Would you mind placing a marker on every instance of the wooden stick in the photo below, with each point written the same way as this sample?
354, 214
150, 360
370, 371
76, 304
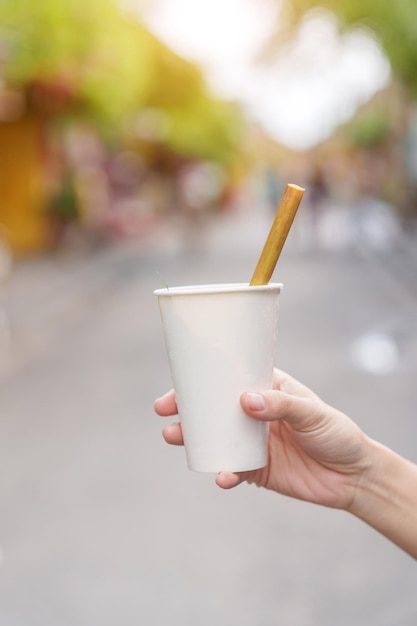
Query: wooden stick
277, 235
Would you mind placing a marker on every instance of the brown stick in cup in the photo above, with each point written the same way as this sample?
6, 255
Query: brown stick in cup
277, 235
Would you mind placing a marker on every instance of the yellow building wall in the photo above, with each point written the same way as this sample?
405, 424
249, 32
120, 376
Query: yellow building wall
22, 218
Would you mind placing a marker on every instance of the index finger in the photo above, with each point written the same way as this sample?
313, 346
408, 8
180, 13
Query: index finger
166, 405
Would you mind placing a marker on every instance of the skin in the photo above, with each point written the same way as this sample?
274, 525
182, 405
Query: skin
318, 454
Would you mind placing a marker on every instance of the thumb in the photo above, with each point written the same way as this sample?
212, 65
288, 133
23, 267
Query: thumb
300, 412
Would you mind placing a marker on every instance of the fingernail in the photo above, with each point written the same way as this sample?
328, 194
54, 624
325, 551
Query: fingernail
256, 401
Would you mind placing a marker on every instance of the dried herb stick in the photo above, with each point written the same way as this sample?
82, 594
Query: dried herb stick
277, 235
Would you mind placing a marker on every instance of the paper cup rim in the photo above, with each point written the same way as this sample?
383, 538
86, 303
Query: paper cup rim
191, 290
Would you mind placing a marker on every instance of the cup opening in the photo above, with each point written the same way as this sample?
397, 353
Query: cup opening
216, 288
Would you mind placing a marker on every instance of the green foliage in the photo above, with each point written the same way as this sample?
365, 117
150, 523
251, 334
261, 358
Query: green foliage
394, 23
113, 68
87, 47
368, 129
203, 128
199, 125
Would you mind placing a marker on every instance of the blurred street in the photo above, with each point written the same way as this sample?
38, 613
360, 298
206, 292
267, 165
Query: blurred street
101, 523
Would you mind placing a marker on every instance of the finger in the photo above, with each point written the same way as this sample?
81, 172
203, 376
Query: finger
229, 480
284, 382
300, 413
173, 435
166, 405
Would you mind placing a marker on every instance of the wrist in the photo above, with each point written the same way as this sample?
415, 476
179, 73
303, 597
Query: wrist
373, 488
385, 496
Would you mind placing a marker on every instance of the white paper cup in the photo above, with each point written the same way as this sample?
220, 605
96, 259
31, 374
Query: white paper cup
220, 341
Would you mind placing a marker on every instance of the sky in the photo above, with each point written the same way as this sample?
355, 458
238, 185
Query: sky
301, 97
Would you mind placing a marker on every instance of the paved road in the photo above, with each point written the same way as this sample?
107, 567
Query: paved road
102, 524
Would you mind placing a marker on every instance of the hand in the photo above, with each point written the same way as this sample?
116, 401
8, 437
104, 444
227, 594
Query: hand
316, 453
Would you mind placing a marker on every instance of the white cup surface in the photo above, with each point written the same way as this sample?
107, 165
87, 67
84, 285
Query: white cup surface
220, 341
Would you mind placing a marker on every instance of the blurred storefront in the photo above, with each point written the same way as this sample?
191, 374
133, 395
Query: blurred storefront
22, 183
97, 120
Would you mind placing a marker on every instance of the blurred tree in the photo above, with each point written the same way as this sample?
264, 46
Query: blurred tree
91, 60
393, 23
186, 117
95, 58
374, 132
369, 129
75, 51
